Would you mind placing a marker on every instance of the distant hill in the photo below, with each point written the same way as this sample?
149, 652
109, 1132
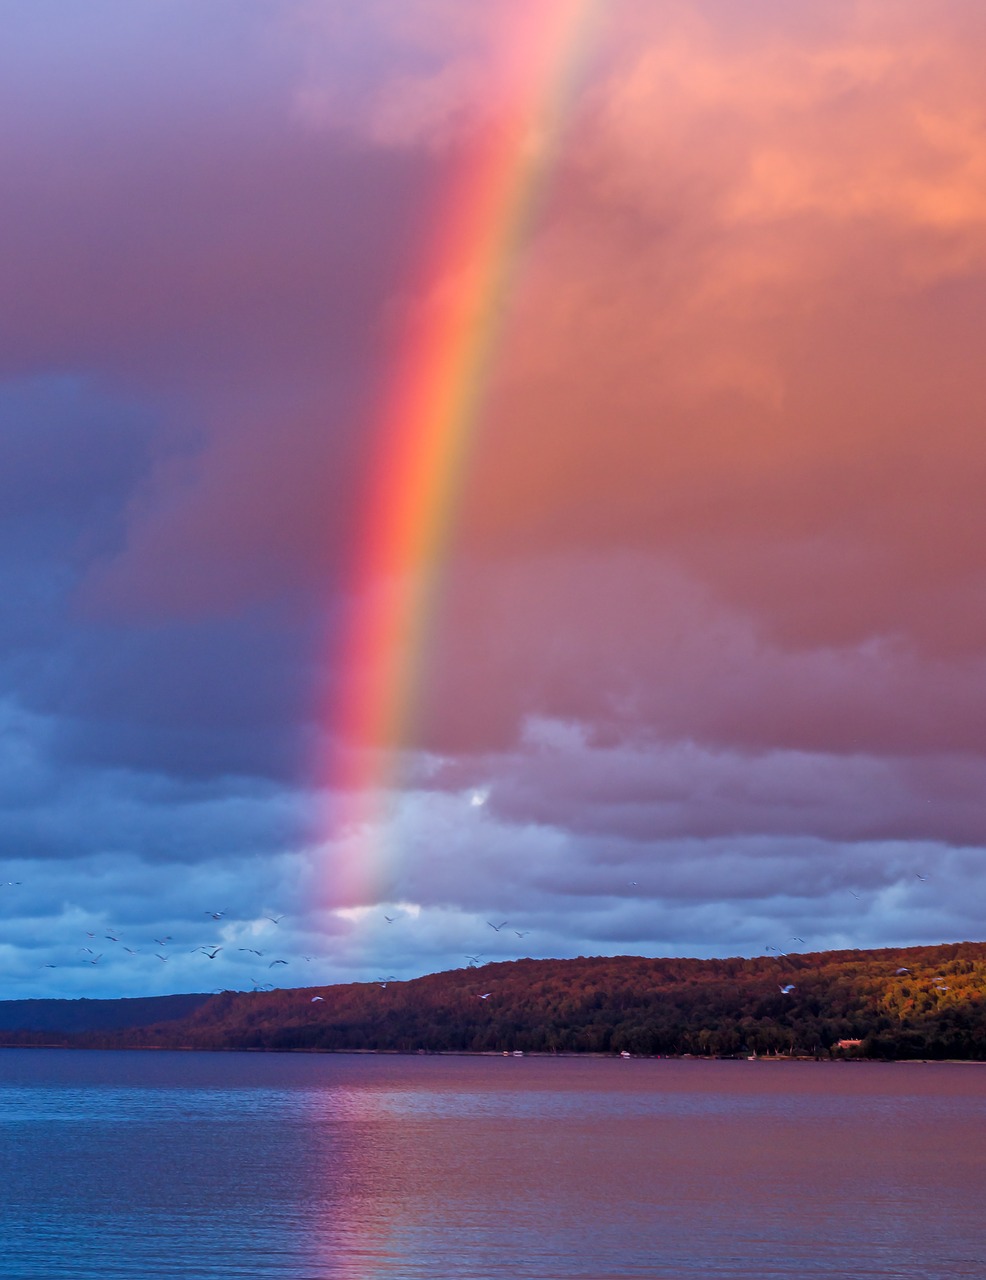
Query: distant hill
94, 1015
913, 1002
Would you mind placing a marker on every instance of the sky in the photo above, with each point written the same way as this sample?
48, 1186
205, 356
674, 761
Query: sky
680, 625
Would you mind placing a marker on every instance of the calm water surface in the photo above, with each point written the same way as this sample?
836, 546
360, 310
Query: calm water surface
186, 1166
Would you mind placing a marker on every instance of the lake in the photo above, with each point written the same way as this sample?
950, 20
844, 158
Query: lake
195, 1166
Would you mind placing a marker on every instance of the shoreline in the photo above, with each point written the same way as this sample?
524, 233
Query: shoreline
568, 1055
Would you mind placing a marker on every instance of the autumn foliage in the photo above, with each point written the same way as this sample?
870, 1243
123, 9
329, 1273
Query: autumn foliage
925, 1002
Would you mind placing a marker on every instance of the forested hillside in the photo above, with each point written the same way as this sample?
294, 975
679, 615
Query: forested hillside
923, 1002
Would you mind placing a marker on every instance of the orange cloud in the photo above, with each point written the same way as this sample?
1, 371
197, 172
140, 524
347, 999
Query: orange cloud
747, 335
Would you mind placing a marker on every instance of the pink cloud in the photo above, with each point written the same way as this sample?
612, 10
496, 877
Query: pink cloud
725, 486
747, 337
630, 646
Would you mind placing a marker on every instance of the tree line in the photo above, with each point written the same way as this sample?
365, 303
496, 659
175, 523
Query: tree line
915, 1002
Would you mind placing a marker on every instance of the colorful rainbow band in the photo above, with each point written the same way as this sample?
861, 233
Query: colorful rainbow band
427, 428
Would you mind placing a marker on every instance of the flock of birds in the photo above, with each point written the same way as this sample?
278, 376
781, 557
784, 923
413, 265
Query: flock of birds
164, 950
209, 950
787, 988
212, 951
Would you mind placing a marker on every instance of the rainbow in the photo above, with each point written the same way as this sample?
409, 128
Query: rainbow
427, 427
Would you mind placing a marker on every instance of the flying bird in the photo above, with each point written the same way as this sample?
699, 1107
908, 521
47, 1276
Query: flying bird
900, 971
390, 919
211, 954
216, 915
497, 927
787, 988
274, 919
486, 995
274, 962
522, 935
314, 998
920, 876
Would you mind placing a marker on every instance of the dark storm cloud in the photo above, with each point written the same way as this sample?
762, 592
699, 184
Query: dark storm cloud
71, 456
207, 696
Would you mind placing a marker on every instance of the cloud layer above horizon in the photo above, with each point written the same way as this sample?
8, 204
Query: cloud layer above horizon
706, 669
